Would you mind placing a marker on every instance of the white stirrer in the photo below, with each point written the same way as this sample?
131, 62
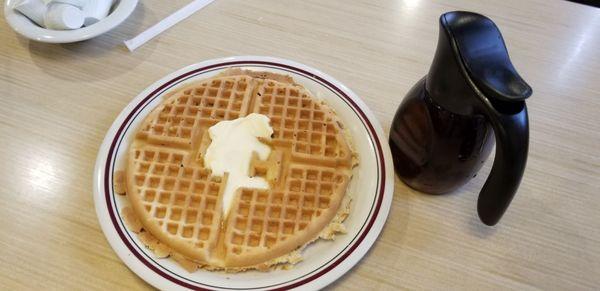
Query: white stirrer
166, 23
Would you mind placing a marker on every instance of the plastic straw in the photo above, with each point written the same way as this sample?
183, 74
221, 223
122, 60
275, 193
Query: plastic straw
166, 23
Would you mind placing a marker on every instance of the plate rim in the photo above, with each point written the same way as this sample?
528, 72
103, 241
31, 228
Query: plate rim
322, 278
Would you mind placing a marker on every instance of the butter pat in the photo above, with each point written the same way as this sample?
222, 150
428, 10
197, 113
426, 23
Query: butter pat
230, 151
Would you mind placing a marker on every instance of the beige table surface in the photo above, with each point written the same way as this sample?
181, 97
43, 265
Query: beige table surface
58, 101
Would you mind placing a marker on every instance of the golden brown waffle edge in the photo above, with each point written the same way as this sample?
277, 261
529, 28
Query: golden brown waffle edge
166, 158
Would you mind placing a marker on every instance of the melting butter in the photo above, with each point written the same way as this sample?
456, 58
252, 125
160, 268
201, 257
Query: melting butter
230, 151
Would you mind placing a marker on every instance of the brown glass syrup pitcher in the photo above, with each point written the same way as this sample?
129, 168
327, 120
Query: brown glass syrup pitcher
446, 125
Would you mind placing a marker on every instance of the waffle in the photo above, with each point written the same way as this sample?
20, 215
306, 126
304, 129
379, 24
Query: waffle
178, 201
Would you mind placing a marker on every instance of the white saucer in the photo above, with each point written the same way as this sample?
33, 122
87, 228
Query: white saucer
27, 28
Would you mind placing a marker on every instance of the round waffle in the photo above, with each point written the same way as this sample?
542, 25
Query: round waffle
178, 201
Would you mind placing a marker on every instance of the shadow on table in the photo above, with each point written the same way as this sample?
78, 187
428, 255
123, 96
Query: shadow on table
479, 229
100, 58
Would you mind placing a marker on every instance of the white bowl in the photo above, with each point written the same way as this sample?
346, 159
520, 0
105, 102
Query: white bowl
27, 28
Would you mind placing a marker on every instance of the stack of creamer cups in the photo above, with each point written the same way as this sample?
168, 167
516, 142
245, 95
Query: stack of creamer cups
64, 14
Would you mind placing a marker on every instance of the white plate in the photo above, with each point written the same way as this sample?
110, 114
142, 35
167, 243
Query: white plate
325, 261
25, 27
